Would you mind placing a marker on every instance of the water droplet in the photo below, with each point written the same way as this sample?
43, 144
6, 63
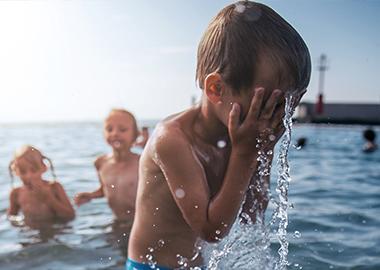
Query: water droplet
109, 258
272, 137
150, 249
297, 147
161, 243
196, 206
112, 186
239, 8
124, 234
297, 234
270, 152
180, 193
181, 260
157, 208
149, 257
217, 232
221, 143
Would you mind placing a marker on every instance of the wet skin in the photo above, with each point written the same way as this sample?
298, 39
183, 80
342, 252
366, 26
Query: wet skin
39, 200
118, 172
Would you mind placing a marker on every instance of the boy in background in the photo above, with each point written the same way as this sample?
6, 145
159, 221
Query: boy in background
117, 171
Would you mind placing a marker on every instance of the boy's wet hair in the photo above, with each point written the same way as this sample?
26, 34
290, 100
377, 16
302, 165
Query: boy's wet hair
243, 33
33, 156
135, 128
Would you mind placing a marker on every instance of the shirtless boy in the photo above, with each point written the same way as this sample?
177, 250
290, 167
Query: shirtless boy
198, 165
118, 171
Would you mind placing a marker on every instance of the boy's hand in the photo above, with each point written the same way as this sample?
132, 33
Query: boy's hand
82, 198
261, 126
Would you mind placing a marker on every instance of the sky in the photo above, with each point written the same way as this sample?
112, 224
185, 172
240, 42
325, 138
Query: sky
75, 60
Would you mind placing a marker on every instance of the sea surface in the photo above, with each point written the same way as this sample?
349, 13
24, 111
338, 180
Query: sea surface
335, 192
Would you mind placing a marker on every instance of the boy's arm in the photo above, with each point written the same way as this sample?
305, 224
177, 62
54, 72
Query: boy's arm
14, 207
84, 197
212, 218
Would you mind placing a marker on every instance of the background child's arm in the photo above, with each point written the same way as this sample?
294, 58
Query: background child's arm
61, 203
14, 207
84, 197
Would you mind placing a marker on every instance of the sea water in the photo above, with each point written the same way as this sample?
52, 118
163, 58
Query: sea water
333, 205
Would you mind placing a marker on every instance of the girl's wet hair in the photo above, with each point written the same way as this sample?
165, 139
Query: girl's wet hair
135, 128
244, 33
33, 156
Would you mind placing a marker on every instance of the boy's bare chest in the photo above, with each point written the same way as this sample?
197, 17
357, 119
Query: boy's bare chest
214, 162
118, 175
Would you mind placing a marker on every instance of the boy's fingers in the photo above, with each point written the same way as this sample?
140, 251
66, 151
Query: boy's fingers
233, 121
278, 116
256, 103
270, 105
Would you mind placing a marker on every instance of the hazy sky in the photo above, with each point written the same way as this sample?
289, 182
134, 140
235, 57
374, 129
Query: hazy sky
74, 60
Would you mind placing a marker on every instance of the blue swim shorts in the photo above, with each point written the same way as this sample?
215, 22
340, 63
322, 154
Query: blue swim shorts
133, 265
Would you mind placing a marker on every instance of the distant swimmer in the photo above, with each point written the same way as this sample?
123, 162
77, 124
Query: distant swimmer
301, 143
370, 136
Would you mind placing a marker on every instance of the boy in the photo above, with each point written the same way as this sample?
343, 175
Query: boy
118, 171
198, 165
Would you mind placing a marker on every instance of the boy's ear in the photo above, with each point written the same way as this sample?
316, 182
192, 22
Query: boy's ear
213, 87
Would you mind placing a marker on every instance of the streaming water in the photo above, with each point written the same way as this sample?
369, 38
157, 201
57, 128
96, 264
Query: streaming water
248, 244
281, 212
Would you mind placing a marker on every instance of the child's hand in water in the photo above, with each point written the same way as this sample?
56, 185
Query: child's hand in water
82, 198
262, 126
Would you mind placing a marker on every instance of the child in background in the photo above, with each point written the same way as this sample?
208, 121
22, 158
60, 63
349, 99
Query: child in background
38, 199
370, 137
118, 171
199, 164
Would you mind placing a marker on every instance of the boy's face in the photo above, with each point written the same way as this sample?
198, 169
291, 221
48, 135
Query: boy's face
268, 79
119, 130
28, 173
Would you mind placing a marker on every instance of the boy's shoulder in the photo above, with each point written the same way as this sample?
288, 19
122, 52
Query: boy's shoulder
173, 132
100, 160
15, 192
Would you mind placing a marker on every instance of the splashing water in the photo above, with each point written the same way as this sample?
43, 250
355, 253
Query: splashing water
281, 212
248, 245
